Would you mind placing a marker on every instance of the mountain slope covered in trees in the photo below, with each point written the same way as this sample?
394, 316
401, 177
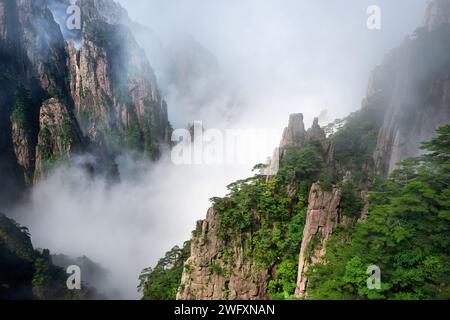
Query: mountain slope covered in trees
337, 205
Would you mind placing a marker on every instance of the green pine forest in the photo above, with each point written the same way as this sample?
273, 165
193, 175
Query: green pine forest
405, 234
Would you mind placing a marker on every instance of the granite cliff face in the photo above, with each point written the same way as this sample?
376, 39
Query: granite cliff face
219, 269
296, 136
33, 69
225, 269
89, 90
59, 136
407, 100
321, 219
113, 85
325, 213
213, 273
416, 78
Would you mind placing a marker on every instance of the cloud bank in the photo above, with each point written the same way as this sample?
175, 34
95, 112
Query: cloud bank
249, 64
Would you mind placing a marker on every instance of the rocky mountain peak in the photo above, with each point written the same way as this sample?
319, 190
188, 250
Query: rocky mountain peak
316, 132
294, 133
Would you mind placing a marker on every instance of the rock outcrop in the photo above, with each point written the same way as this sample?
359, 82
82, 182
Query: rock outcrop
32, 69
408, 97
322, 218
114, 86
100, 77
218, 269
296, 136
59, 136
417, 78
213, 272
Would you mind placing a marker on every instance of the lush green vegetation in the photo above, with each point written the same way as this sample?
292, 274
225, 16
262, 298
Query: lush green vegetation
273, 212
268, 214
48, 135
162, 282
100, 32
351, 203
22, 113
132, 137
26, 273
355, 142
151, 128
406, 235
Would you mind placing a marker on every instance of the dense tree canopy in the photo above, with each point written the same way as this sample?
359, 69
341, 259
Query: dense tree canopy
406, 235
162, 282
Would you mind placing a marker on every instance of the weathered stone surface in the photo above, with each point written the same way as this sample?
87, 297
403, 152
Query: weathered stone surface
33, 67
316, 133
240, 278
321, 219
114, 86
416, 78
24, 150
212, 273
59, 136
105, 80
294, 134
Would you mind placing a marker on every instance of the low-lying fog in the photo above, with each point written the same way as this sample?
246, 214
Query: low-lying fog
271, 58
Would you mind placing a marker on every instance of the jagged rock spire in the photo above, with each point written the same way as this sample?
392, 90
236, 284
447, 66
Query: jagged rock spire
294, 134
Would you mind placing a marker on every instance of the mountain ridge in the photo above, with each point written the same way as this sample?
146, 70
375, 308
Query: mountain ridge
247, 248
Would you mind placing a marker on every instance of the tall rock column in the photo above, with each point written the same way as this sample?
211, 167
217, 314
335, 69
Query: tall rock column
321, 219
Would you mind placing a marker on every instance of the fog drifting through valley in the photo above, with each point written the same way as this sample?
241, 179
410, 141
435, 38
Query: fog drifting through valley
273, 58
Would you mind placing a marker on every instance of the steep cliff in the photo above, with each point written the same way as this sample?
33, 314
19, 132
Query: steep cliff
32, 69
331, 202
407, 100
214, 273
64, 91
321, 219
417, 76
251, 236
339, 205
113, 85
59, 136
